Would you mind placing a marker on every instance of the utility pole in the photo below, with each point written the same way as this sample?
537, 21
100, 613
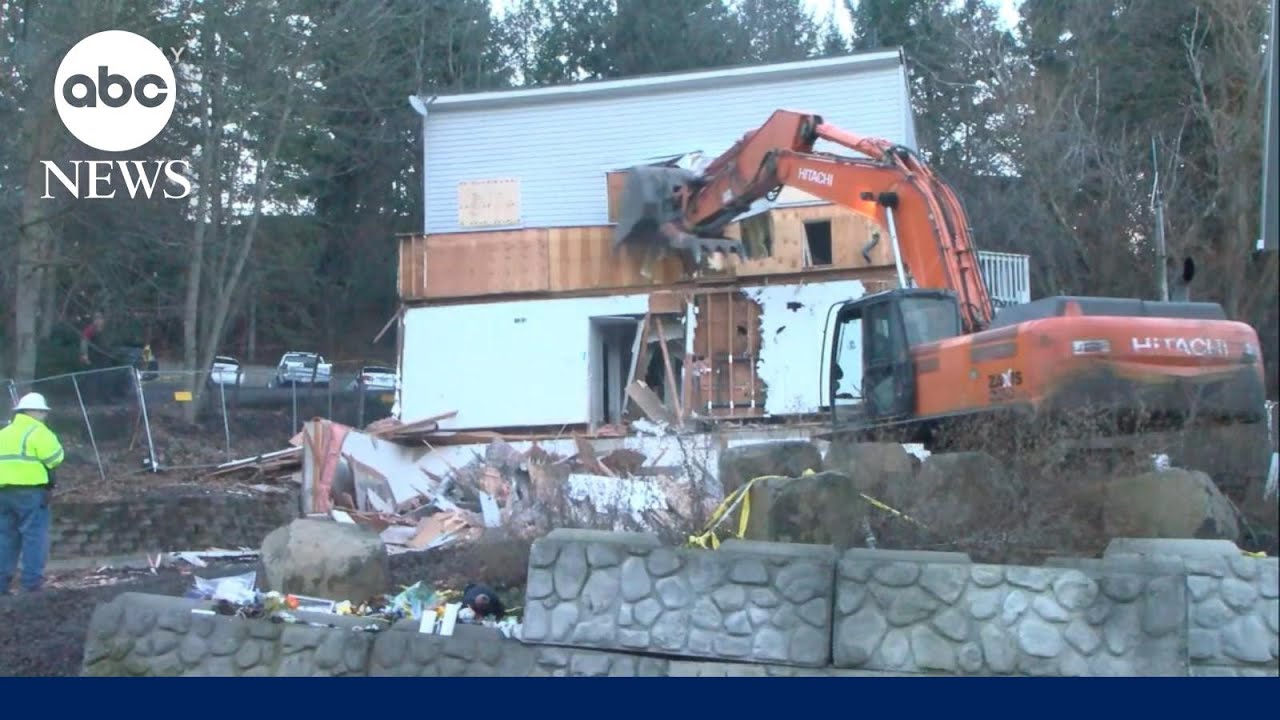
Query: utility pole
1157, 206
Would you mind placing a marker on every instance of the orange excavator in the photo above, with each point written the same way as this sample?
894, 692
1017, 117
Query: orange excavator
909, 362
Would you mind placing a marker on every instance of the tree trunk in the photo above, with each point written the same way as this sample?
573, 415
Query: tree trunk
209, 185
251, 346
48, 301
228, 285
35, 236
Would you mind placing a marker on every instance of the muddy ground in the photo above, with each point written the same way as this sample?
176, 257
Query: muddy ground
43, 634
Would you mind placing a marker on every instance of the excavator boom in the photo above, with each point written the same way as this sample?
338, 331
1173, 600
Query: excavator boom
891, 185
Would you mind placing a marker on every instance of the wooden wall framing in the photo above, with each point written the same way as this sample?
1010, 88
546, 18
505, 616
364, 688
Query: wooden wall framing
722, 380
577, 259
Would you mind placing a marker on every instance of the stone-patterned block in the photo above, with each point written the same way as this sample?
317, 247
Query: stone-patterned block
747, 601
576, 662
155, 635
472, 651
1235, 615
905, 612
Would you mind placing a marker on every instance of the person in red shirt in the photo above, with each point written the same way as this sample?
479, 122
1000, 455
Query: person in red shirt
91, 356
88, 335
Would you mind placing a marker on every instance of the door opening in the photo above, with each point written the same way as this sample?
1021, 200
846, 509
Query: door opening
613, 341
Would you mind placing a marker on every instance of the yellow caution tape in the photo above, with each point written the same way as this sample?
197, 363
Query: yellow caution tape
876, 503
709, 540
1259, 554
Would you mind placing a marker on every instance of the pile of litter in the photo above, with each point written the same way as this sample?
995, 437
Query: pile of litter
437, 611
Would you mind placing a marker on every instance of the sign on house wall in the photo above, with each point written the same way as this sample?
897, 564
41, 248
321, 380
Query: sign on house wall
489, 203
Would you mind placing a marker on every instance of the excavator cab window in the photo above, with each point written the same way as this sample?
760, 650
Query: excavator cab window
887, 387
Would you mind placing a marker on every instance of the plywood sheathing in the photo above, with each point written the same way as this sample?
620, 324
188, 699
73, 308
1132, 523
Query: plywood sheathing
565, 261
851, 232
584, 258
413, 266
489, 203
614, 183
668, 302
485, 264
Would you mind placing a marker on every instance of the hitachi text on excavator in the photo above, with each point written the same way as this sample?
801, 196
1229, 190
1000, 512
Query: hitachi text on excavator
910, 362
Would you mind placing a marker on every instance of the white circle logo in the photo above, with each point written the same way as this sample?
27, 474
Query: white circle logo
115, 91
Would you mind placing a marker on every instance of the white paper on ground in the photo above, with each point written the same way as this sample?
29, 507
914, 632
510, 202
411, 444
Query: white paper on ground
450, 618
489, 506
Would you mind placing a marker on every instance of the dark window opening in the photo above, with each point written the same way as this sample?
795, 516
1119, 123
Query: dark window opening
756, 236
817, 243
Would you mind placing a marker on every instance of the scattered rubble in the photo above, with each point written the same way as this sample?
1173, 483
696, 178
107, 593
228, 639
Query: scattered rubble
421, 498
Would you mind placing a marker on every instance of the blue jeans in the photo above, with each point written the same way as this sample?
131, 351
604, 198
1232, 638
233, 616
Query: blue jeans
24, 529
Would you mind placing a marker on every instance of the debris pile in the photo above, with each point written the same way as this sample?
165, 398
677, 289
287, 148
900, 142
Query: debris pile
267, 467
436, 610
530, 492
417, 499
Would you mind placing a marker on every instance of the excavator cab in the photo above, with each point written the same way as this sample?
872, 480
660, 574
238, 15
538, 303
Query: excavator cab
872, 376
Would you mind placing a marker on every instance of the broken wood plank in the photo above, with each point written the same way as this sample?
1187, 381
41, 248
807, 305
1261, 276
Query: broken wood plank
432, 528
398, 535
425, 425
673, 391
587, 456
650, 403
639, 353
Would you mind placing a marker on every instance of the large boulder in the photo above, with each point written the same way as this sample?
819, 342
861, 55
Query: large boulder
321, 558
875, 468
959, 494
788, 458
1172, 503
822, 509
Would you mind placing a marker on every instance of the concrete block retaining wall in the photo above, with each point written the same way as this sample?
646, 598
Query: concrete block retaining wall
754, 602
606, 604
167, 522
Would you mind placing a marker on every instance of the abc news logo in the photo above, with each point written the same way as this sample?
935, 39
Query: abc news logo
115, 91
101, 90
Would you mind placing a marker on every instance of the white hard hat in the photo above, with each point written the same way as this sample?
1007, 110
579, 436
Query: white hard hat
32, 401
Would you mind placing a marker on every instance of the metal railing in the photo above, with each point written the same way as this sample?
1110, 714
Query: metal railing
1008, 277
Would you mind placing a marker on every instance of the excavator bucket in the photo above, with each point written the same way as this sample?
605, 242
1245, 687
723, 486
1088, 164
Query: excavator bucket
651, 218
649, 201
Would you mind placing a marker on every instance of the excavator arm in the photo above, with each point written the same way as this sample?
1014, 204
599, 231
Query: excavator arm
891, 185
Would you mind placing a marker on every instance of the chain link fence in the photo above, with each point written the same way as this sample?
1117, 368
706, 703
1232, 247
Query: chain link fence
121, 421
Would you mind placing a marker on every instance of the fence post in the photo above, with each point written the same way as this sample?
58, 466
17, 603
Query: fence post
293, 390
360, 388
75, 382
146, 421
226, 426
13, 393
329, 388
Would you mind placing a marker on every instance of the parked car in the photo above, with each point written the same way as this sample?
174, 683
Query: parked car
302, 368
374, 377
226, 371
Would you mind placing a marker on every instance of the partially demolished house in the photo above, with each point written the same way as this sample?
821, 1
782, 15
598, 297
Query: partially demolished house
519, 312
533, 347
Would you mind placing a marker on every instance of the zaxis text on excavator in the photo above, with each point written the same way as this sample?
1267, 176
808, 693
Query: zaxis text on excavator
908, 362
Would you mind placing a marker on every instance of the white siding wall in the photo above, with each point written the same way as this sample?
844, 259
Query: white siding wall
529, 363
506, 363
561, 150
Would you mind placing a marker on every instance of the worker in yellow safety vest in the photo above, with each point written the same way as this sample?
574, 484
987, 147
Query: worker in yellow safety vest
29, 451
